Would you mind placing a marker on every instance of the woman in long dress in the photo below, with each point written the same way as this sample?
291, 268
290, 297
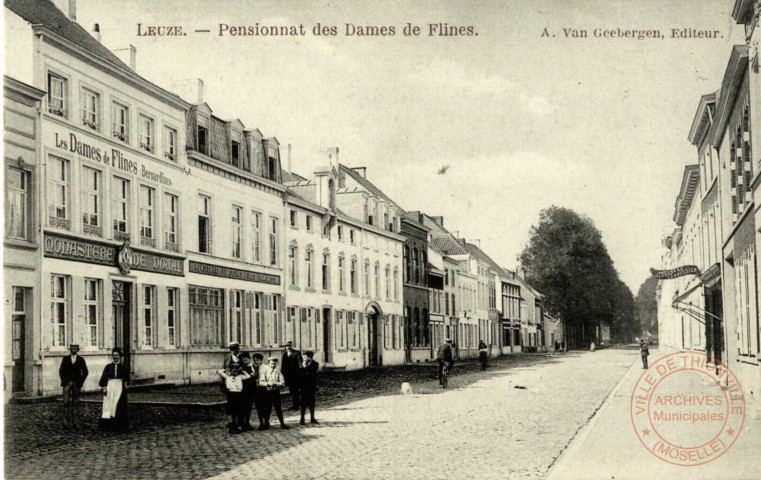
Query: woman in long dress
114, 382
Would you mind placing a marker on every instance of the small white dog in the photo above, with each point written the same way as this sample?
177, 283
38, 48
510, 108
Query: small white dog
406, 388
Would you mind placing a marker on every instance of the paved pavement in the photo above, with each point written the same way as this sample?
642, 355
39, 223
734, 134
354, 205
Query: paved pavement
482, 426
608, 448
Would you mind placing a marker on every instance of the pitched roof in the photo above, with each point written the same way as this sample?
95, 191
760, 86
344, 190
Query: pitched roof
45, 13
368, 185
447, 245
481, 255
291, 176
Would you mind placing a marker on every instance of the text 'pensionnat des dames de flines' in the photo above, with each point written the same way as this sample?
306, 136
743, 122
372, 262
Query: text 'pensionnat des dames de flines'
317, 30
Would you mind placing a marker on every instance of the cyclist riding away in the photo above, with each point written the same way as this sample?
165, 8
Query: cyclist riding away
445, 355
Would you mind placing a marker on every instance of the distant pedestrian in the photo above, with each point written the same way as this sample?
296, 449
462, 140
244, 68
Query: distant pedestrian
73, 373
483, 354
114, 382
249, 390
644, 351
273, 380
234, 378
290, 367
309, 386
260, 392
445, 355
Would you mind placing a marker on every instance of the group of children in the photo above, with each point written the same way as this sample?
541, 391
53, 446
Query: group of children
250, 384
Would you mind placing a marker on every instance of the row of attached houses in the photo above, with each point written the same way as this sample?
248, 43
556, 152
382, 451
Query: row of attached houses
138, 218
717, 222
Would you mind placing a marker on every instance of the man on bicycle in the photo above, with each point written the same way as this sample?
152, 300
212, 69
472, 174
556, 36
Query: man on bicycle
445, 355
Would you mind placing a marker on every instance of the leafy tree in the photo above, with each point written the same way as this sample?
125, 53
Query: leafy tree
566, 260
647, 306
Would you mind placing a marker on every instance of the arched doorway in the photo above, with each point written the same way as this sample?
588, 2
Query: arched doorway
374, 316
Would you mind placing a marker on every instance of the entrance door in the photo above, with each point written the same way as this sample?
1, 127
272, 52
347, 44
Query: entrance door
372, 332
17, 338
326, 346
121, 295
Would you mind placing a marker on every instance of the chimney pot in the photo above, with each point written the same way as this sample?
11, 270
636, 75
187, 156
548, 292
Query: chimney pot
96, 32
200, 91
73, 10
289, 159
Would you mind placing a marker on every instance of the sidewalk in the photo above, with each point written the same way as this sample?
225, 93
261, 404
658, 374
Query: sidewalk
608, 448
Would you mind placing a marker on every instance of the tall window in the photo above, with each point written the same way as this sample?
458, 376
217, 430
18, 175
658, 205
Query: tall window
309, 261
256, 236
204, 224
273, 240
341, 273
415, 273
340, 232
59, 293
293, 218
57, 95
149, 311
292, 260
92, 297
147, 215
170, 143
120, 118
236, 316
17, 203
388, 281
91, 201
407, 265
146, 133
203, 143
309, 223
377, 281
206, 316
237, 238
172, 303
257, 328
59, 190
171, 224
326, 271
352, 237
353, 276
120, 208
367, 278
90, 109
396, 284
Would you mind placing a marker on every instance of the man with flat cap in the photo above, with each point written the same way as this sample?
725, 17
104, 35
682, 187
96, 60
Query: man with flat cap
233, 356
73, 373
290, 367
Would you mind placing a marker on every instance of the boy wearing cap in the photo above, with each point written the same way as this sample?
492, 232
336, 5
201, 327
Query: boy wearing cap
272, 380
73, 373
260, 392
308, 386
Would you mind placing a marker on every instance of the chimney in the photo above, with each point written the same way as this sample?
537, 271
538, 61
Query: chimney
361, 170
521, 272
73, 10
191, 89
127, 55
476, 242
96, 32
289, 159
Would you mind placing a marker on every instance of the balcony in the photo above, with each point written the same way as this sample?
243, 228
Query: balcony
171, 247
92, 230
55, 110
59, 222
148, 242
88, 123
121, 236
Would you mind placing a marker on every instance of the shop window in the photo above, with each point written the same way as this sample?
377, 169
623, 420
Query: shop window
206, 316
17, 207
149, 313
172, 315
59, 306
236, 316
92, 310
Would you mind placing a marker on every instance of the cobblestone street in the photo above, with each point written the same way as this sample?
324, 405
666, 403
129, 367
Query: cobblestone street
482, 426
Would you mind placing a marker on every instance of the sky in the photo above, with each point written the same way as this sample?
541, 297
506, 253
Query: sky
522, 121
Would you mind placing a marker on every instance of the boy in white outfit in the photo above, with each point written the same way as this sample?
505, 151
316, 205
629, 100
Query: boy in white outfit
234, 377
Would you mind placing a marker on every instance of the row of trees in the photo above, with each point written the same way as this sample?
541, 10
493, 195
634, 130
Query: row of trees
567, 261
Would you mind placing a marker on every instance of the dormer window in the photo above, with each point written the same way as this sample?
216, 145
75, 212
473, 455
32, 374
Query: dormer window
202, 140
235, 154
271, 168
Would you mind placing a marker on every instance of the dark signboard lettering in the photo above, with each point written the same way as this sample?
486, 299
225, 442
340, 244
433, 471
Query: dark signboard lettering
69, 248
227, 272
675, 272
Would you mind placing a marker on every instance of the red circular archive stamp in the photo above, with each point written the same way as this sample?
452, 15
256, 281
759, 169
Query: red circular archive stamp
686, 409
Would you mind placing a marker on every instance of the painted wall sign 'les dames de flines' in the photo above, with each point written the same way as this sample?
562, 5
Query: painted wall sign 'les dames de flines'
675, 272
235, 273
124, 257
115, 159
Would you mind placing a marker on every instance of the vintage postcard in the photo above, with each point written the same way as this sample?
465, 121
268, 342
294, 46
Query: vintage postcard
381, 239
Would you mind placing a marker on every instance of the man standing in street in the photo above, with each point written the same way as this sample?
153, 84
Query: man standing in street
644, 350
445, 355
309, 386
233, 357
73, 373
290, 367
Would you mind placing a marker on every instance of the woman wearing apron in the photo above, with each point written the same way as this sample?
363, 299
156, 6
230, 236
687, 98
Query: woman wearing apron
114, 381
